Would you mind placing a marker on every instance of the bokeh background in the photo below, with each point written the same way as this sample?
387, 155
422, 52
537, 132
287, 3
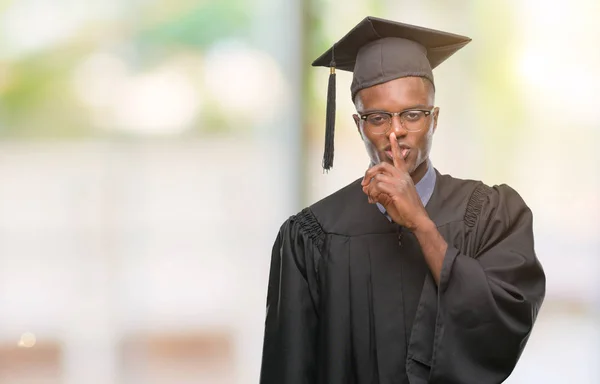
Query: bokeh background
150, 150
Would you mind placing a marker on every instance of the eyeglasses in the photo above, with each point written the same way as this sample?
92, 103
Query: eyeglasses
380, 122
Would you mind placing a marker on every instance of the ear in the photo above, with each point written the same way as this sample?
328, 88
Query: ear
356, 121
436, 114
358, 105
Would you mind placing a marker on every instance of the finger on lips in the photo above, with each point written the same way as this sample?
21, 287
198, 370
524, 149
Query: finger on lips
395, 149
399, 162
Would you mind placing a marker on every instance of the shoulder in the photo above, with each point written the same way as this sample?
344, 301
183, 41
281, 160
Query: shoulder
339, 207
343, 212
467, 199
302, 236
450, 188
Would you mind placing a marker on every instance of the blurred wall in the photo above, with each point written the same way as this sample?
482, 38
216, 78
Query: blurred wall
149, 151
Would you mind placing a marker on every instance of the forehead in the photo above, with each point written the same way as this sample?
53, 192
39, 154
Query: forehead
396, 94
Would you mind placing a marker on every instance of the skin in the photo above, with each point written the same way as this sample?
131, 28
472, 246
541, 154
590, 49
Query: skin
399, 161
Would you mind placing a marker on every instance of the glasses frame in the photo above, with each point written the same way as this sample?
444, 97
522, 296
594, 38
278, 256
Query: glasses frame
364, 117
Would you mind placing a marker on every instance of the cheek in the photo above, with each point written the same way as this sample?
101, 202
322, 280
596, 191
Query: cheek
366, 138
375, 141
424, 144
371, 146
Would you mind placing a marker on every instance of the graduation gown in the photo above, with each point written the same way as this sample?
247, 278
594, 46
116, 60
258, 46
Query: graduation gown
351, 300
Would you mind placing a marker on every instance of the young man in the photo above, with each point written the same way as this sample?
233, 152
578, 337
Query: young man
405, 275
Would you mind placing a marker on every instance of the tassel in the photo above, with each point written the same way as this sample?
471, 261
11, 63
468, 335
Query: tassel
330, 120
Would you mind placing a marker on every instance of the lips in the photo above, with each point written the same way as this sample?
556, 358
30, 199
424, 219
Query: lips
404, 151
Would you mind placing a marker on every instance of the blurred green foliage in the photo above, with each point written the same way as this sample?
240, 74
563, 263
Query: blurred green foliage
196, 26
37, 100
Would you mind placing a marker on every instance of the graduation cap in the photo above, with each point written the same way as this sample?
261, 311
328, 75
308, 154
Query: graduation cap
378, 50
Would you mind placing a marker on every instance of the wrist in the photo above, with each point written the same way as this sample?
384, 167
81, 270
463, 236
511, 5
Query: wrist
424, 227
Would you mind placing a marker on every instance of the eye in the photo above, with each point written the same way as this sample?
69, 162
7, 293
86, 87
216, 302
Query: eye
377, 118
413, 115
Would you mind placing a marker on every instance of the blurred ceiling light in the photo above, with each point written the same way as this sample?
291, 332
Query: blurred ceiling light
164, 101
550, 74
550, 81
99, 78
30, 25
161, 102
244, 81
27, 340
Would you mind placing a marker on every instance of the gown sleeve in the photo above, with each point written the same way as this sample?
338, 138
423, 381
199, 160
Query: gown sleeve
488, 300
289, 347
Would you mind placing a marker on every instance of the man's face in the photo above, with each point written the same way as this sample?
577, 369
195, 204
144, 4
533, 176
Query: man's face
395, 96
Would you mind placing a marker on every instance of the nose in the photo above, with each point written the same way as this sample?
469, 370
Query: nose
397, 127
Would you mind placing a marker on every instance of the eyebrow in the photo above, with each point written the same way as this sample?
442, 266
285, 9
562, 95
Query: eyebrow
417, 106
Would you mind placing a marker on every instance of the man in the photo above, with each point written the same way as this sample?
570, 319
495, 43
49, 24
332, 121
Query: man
405, 275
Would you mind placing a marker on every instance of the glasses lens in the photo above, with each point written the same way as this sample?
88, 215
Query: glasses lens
378, 122
413, 120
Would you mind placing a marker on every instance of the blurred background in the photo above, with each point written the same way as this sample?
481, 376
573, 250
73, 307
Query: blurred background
150, 150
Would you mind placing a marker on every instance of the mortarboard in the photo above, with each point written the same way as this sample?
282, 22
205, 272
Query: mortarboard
378, 50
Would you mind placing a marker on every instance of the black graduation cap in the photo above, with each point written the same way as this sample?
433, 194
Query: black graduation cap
378, 50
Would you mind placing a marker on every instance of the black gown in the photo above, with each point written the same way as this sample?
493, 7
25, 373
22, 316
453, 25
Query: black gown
351, 300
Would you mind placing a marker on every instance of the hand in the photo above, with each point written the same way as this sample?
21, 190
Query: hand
393, 187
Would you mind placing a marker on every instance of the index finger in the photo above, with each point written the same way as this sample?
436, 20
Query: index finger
397, 153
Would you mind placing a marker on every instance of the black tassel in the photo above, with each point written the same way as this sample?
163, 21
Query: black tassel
330, 121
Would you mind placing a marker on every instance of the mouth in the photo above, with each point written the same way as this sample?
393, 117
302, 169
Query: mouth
404, 152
